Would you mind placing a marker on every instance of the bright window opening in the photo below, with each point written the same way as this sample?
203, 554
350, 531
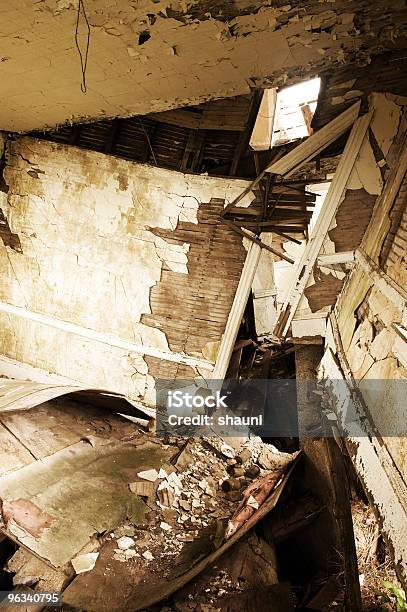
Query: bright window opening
285, 115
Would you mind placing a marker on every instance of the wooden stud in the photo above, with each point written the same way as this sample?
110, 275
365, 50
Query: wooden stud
245, 137
325, 218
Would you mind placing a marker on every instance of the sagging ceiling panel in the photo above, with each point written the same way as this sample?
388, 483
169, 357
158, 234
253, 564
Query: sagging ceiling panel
147, 57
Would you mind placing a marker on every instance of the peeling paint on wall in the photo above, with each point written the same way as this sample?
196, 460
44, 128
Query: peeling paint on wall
386, 121
379, 461
90, 259
356, 208
369, 309
366, 173
153, 56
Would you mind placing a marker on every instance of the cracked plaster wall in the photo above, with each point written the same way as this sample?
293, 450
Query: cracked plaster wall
90, 259
367, 312
365, 184
371, 318
369, 309
148, 56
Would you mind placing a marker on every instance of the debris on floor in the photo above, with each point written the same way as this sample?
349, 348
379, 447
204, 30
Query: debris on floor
116, 496
374, 560
84, 563
181, 524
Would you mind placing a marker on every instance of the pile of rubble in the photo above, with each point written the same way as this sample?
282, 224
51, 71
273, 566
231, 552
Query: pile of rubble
187, 506
205, 484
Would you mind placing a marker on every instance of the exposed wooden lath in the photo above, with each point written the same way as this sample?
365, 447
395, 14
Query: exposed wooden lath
279, 209
228, 114
394, 252
196, 139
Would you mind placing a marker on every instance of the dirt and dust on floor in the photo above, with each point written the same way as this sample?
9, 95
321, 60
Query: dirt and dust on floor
95, 506
379, 585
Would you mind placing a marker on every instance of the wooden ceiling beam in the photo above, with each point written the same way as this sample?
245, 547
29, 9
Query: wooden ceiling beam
245, 137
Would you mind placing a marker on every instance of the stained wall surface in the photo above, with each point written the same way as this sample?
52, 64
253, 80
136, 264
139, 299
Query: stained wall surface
121, 273
356, 207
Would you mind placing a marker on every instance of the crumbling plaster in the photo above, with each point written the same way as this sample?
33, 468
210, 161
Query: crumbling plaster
367, 346
365, 339
147, 56
366, 175
381, 479
72, 301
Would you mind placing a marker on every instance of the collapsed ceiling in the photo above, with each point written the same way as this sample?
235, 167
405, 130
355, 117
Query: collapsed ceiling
147, 56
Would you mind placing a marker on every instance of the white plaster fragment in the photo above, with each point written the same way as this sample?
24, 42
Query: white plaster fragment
125, 542
84, 563
150, 475
173, 255
148, 555
382, 344
385, 121
365, 172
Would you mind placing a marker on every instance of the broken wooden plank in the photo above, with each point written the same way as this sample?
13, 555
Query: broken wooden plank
286, 236
236, 312
380, 224
275, 221
205, 118
280, 214
316, 143
262, 133
245, 136
325, 218
256, 240
335, 258
244, 212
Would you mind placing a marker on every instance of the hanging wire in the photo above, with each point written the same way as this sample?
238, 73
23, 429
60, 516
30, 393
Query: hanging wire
148, 140
84, 60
